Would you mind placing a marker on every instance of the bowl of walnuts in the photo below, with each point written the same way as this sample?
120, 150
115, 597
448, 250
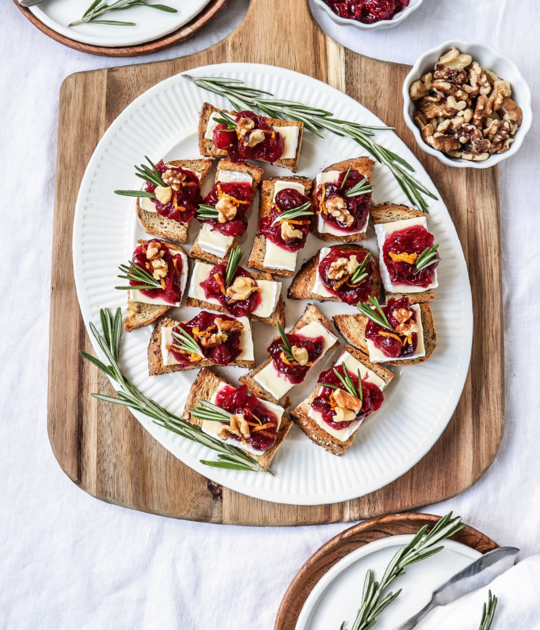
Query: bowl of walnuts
467, 104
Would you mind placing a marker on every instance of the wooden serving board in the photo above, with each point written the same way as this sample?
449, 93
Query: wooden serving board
104, 449
351, 539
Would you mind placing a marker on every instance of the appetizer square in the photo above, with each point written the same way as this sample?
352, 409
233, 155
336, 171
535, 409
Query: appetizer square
399, 333
157, 277
332, 415
237, 416
292, 355
285, 212
207, 339
341, 198
342, 273
224, 212
229, 288
408, 256
246, 136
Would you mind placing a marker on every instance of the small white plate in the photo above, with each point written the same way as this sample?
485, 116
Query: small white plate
336, 597
151, 24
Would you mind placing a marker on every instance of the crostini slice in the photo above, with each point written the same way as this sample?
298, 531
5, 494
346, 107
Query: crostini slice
159, 225
213, 245
343, 408
341, 198
156, 260
268, 254
247, 432
330, 276
310, 339
392, 223
244, 131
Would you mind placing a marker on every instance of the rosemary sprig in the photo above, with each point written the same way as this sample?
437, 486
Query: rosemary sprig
99, 7
422, 546
362, 188
185, 343
210, 412
360, 273
347, 383
232, 265
149, 175
295, 213
427, 258
488, 612
378, 316
317, 120
128, 395
226, 120
135, 193
345, 178
137, 274
207, 213
286, 347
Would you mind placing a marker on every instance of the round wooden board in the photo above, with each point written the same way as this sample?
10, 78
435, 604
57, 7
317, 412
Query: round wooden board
188, 30
345, 543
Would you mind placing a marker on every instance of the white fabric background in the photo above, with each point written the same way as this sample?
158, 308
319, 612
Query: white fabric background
71, 562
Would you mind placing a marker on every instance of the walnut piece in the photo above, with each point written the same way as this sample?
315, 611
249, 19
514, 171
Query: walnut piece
288, 231
452, 75
337, 207
511, 111
342, 267
501, 90
228, 325
238, 426
343, 415
469, 155
454, 59
226, 210
160, 268
173, 179
154, 251
244, 126
212, 340
421, 88
300, 355
255, 138
163, 194
242, 288
345, 400
478, 80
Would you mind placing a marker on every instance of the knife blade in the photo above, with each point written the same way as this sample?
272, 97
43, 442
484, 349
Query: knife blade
474, 576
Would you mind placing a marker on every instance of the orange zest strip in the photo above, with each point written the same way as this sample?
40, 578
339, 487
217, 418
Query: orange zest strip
404, 257
389, 334
163, 284
233, 199
220, 282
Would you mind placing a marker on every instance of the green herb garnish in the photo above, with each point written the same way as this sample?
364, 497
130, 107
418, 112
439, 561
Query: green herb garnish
99, 7
295, 213
232, 265
378, 316
184, 342
286, 347
427, 258
207, 213
360, 273
137, 274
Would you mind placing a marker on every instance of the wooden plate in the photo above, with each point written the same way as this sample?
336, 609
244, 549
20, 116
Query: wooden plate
181, 35
345, 543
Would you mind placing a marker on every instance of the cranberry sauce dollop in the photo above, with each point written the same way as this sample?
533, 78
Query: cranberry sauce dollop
358, 207
269, 150
293, 371
342, 287
241, 194
202, 327
214, 287
401, 342
171, 290
184, 203
324, 404
263, 424
286, 199
367, 11
413, 240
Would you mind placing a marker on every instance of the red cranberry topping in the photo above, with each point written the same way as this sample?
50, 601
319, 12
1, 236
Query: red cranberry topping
214, 287
184, 203
263, 424
269, 150
372, 398
286, 199
171, 290
241, 194
293, 371
400, 342
357, 207
412, 240
342, 287
367, 11
201, 328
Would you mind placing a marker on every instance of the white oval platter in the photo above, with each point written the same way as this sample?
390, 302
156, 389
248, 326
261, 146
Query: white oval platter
419, 403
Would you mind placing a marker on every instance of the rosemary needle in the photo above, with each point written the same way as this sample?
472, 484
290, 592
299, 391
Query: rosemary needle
99, 7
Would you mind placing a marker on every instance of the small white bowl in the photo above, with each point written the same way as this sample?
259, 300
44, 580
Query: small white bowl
489, 58
383, 24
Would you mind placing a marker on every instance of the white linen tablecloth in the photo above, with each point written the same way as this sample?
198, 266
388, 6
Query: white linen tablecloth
70, 562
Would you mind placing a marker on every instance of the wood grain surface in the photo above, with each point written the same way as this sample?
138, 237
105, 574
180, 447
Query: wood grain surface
345, 543
103, 448
181, 35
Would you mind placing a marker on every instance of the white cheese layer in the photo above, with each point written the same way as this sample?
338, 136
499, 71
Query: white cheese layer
290, 136
212, 428
327, 178
319, 287
213, 241
277, 384
383, 231
352, 365
326, 228
137, 296
146, 203
376, 356
212, 124
270, 290
233, 177
274, 256
246, 343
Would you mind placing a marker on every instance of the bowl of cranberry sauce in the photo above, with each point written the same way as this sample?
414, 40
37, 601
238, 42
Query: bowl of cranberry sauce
348, 217
295, 371
171, 284
338, 276
402, 341
240, 195
369, 14
271, 227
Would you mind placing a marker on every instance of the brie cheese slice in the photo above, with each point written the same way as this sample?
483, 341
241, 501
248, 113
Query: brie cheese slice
290, 136
319, 287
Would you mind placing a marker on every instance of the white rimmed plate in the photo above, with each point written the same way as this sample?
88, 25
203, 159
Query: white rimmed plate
336, 597
420, 401
151, 24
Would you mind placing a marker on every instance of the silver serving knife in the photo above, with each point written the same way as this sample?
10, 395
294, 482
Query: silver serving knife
29, 3
478, 574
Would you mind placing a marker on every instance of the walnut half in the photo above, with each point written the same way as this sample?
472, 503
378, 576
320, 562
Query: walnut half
242, 288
